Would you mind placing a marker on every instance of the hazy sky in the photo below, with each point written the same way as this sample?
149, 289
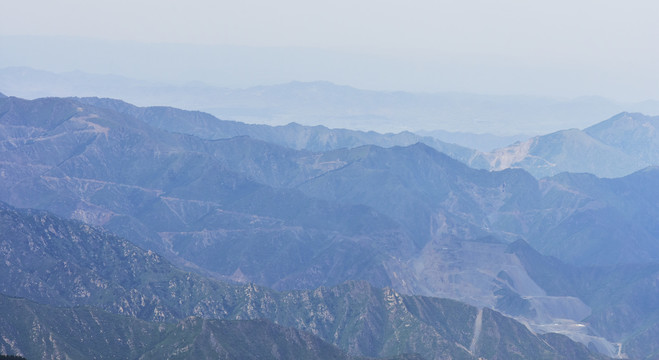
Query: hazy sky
603, 47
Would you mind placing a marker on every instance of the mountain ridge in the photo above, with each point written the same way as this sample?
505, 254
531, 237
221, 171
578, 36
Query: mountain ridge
431, 226
391, 323
299, 137
618, 146
569, 150
381, 110
84, 332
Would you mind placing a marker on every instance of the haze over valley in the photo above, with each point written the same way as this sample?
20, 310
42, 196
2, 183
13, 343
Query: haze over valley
339, 181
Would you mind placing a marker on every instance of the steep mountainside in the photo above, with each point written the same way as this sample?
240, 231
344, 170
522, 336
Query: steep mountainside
423, 188
612, 148
480, 142
564, 151
610, 221
635, 134
40, 331
199, 203
295, 136
624, 298
69, 263
590, 221
616, 147
183, 196
579, 218
405, 217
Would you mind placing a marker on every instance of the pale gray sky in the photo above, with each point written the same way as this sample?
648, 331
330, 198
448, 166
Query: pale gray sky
602, 47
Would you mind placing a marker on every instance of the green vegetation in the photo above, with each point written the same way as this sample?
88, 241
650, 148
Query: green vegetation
67, 263
86, 333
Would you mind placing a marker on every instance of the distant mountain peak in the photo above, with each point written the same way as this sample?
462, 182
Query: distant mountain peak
624, 143
616, 119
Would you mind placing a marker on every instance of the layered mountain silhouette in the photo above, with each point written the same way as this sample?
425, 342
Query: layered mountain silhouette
615, 147
331, 105
295, 136
408, 218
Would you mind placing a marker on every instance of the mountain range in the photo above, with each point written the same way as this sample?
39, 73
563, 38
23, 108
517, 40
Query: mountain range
40, 331
407, 218
615, 147
164, 312
294, 136
335, 106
